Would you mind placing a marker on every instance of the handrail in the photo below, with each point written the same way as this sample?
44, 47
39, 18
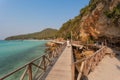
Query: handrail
42, 65
20, 67
89, 56
90, 62
72, 66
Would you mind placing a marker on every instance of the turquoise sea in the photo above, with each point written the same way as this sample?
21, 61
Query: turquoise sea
14, 54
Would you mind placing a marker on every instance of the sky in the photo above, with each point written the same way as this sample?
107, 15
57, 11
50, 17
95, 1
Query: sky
28, 16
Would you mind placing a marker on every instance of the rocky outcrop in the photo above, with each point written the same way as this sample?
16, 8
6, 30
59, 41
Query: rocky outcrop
99, 19
97, 22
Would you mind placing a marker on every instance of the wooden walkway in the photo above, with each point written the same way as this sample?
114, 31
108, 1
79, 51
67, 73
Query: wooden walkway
57, 42
62, 68
108, 69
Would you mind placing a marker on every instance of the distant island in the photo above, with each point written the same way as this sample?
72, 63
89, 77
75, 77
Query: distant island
47, 33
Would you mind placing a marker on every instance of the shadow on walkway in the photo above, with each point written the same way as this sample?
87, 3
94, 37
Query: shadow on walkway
118, 67
117, 54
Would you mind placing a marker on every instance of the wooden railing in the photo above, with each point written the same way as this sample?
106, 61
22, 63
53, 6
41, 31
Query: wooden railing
88, 64
37, 67
76, 42
73, 66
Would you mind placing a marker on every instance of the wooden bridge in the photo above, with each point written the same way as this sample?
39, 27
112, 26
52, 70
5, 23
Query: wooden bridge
60, 65
62, 68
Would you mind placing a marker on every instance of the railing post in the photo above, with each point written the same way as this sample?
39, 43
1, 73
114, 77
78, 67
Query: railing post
81, 70
29, 72
56, 51
44, 63
60, 49
73, 71
103, 44
73, 65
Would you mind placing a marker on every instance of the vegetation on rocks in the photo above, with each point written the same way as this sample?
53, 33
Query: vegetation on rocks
114, 15
90, 24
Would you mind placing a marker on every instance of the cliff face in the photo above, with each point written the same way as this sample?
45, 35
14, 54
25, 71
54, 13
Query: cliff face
101, 18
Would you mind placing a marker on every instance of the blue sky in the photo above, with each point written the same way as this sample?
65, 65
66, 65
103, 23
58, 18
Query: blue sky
27, 16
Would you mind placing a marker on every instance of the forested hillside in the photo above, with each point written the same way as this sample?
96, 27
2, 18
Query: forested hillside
44, 34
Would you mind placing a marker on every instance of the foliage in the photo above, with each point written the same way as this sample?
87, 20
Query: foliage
71, 25
114, 15
83, 10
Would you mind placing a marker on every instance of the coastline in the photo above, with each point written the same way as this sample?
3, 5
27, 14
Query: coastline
17, 53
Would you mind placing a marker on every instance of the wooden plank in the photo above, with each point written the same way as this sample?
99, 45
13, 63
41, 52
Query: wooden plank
108, 69
62, 69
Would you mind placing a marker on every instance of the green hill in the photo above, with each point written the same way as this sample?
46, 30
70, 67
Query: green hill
44, 34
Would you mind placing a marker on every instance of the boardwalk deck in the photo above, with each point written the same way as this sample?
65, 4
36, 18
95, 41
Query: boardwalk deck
108, 69
62, 68
57, 42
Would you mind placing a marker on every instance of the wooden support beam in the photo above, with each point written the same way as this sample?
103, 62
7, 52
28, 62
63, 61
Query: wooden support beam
47, 59
23, 75
37, 69
29, 72
73, 71
44, 63
37, 66
80, 73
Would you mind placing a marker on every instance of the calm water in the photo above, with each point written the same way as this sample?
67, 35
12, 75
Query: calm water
14, 54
